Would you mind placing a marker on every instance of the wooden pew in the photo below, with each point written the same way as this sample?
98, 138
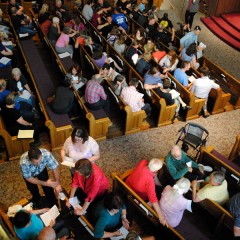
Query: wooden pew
98, 121
15, 146
235, 150
165, 113
142, 206
59, 125
218, 98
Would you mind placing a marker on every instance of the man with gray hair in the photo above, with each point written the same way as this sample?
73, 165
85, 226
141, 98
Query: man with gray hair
215, 190
179, 165
95, 96
141, 180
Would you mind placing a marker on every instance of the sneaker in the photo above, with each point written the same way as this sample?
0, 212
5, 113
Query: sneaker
187, 107
206, 114
206, 168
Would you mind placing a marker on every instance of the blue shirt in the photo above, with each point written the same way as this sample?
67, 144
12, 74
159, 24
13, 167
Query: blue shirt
189, 38
32, 230
151, 80
186, 57
181, 76
105, 221
120, 20
30, 170
3, 95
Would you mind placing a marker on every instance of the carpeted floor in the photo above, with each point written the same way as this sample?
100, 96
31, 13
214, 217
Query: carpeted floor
122, 153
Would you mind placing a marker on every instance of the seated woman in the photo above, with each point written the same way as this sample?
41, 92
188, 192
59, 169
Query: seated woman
109, 215
169, 62
140, 37
158, 54
77, 80
54, 31
96, 18
120, 45
44, 18
62, 44
89, 183
89, 46
173, 203
80, 145
4, 51
189, 54
119, 83
149, 46
14, 120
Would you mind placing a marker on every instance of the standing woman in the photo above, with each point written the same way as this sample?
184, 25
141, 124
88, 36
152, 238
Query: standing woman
80, 145
62, 44
191, 10
173, 203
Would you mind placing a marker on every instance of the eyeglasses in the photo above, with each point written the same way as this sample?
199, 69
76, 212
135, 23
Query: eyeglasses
77, 139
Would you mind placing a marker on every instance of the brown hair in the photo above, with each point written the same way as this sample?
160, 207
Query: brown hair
84, 167
172, 54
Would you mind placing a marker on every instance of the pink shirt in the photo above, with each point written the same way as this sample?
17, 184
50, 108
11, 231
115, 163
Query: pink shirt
62, 40
95, 185
141, 180
172, 210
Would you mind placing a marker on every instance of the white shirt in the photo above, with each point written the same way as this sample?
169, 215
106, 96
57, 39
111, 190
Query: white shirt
132, 98
165, 61
202, 86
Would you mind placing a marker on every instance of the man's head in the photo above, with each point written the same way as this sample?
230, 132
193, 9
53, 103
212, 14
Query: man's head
133, 82
106, 68
100, 2
10, 99
176, 152
119, 78
2, 85
197, 30
58, 3
21, 219
84, 167
155, 165
109, 19
185, 65
204, 71
160, 27
97, 77
35, 156
13, 10
12, 2
47, 233
217, 178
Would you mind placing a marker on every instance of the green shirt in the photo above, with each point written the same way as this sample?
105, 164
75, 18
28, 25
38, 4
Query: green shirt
178, 168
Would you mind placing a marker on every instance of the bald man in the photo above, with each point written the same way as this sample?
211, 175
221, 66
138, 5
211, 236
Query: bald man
47, 233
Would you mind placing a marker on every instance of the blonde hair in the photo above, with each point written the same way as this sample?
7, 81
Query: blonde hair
155, 164
43, 9
2, 84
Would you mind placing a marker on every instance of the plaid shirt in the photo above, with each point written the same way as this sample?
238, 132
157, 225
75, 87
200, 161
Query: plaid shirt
94, 91
30, 170
132, 98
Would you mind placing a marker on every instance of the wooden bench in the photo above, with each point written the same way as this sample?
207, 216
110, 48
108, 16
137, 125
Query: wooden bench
235, 152
59, 125
138, 203
165, 113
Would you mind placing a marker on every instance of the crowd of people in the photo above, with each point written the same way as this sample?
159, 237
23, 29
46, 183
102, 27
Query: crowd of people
89, 183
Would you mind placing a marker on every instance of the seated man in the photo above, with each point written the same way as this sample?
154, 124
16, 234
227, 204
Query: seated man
133, 98
145, 188
109, 215
179, 165
202, 86
95, 96
234, 209
160, 35
216, 190
60, 9
119, 18
181, 76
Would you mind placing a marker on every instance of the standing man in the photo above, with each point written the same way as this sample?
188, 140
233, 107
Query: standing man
191, 10
234, 209
33, 167
202, 86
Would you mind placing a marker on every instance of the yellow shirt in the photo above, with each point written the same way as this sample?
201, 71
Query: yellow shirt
218, 194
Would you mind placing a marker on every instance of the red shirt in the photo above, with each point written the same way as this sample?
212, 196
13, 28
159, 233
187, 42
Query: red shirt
141, 180
95, 185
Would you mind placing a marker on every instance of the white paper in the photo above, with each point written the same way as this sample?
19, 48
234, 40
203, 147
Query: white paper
68, 162
5, 60
202, 45
174, 93
25, 94
28, 207
189, 164
7, 43
63, 55
124, 232
25, 133
74, 202
52, 214
191, 79
21, 35
189, 205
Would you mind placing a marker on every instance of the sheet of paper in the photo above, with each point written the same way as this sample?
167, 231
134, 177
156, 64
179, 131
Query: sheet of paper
124, 232
25, 133
189, 164
5, 60
174, 93
21, 35
68, 162
7, 43
52, 214
25, 94
191, 79
28, 207
202, 45
74, 202
63, 55
189, 205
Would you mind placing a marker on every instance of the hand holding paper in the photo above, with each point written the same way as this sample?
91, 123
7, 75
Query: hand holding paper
50, 216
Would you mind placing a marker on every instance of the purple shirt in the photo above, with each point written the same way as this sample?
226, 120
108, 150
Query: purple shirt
62, 40
172, 209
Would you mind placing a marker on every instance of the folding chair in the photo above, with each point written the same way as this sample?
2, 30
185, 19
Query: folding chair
193, 135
